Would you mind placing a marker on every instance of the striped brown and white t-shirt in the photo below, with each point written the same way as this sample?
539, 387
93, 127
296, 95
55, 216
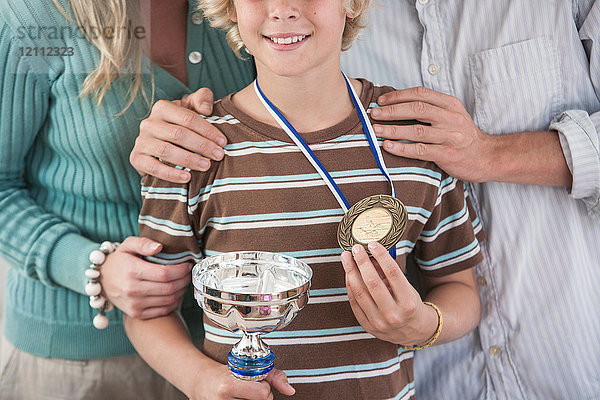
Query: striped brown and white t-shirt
265, 195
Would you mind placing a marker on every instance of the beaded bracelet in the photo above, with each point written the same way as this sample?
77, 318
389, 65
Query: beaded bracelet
435, 334
93, 287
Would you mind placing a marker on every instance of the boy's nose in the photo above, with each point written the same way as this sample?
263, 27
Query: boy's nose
284, 10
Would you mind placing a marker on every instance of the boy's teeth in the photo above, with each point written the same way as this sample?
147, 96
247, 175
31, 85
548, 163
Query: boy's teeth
288, 40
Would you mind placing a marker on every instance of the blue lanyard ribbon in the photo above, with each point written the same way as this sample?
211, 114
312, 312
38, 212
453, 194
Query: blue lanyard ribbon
310, 155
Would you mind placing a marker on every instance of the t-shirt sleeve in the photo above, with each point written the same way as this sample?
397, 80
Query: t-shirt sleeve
449, 241
170, 215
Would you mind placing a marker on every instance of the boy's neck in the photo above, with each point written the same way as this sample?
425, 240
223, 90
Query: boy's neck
310, 102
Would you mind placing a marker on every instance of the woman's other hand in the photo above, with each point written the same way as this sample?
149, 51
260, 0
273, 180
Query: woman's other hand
139, 288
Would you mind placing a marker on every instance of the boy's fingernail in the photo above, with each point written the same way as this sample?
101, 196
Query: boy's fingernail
372, 245
378, 128
345, 256
375, 112
184, 176
382, 99
356, 248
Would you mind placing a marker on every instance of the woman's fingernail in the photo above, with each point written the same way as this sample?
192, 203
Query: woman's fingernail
204, 164
382, 99
218, 153
356, 248
184, 176
378, 128
372, 245
388, 145
221, 141
205, 108
375, 112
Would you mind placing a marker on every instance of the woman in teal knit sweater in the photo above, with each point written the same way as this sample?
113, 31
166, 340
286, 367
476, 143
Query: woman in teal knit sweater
70, 109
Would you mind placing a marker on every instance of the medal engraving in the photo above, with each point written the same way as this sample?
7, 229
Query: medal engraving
372, 225
379, 218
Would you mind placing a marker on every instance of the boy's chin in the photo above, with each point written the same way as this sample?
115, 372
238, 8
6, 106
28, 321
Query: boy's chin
287, 69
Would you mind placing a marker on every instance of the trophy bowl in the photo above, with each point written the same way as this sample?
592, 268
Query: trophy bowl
253, 292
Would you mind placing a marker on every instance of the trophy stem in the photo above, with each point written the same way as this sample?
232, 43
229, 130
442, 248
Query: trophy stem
250, 358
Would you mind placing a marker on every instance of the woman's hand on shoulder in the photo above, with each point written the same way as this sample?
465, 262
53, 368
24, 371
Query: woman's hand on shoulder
222, 385
175, 132
139, 288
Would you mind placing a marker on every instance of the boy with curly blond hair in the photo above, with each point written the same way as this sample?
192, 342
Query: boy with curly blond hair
355, 338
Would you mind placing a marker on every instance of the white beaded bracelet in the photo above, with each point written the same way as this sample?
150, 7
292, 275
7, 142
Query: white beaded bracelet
93, 287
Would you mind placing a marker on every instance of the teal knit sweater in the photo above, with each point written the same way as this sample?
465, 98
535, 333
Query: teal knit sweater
65, 180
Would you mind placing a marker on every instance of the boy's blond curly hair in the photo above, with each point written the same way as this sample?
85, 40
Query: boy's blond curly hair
219, 12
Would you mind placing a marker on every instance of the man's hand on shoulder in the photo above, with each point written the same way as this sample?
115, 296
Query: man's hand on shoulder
452, 140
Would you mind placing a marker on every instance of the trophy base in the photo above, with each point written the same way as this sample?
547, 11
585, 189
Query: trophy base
250, 369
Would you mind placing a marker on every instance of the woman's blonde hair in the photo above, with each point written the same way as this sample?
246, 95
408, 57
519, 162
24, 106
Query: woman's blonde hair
120, 54
219, 13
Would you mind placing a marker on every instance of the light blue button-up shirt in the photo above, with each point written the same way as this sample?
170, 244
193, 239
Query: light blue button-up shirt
516, 65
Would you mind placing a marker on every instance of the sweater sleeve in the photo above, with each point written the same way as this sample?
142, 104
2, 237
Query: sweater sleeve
40, 244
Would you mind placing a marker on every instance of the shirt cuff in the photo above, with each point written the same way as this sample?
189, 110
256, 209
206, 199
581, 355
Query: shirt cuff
68, 261
579, 141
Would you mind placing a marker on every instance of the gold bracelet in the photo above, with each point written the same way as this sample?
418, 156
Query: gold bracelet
436, 333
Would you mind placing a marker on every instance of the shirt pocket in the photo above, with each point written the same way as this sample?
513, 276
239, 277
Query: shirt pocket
516, 87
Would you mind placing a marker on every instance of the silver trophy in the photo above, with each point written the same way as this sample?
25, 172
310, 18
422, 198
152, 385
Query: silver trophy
253, 292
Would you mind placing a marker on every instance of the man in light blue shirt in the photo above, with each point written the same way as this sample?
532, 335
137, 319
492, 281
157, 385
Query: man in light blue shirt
528, 75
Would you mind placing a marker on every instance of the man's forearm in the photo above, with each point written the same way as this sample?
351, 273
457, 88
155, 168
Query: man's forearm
534, 158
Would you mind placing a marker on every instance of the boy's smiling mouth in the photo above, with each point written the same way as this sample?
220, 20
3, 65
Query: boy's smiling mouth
287, 38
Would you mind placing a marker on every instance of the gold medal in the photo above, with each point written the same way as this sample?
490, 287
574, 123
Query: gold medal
380, 218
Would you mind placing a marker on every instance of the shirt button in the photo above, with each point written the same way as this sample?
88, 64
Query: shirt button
494, 350
433, 69
423, 1
481, 281
197, 18
195, 57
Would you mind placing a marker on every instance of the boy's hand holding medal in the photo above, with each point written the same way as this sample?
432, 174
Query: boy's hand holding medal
383, 300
